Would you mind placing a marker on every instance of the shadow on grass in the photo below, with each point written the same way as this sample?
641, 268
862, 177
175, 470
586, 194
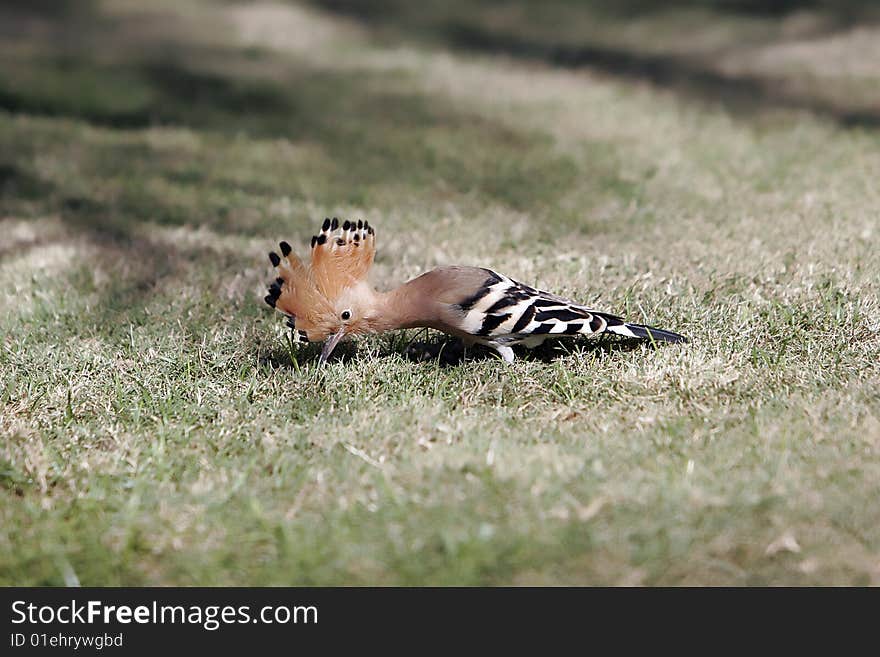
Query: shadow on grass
844, 11
452, 353
739, 94
129, 267
690, 76
447, 352
14, 181
375, 141
377, 132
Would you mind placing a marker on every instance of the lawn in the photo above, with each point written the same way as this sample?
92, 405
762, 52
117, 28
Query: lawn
705, 171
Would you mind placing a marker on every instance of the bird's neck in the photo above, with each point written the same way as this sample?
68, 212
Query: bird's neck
407, 306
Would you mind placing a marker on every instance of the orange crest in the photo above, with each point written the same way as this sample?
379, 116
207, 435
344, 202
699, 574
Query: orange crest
341, 258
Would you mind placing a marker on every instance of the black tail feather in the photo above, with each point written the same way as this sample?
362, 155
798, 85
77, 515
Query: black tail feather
658, 335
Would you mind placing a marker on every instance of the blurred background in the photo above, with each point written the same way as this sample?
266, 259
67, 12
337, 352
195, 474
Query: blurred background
821, 55
344, 76
276, 70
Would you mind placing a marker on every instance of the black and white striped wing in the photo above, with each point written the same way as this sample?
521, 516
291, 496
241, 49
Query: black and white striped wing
509, 312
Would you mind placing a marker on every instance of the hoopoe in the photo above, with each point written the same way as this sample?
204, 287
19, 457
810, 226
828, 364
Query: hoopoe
330, 300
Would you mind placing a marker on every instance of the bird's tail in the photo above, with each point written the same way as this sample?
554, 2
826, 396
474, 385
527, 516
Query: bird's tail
617, 326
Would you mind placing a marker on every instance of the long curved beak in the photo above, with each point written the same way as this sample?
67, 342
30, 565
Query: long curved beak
330, 345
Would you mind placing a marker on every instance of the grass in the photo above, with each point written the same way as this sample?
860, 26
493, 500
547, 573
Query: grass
159, 428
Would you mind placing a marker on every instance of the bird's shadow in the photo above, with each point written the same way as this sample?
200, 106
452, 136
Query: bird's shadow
300, 356
448, 352
453, 352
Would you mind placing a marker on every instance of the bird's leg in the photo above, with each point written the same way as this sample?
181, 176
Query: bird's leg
505, 352
459, 349
466, 344
452, 351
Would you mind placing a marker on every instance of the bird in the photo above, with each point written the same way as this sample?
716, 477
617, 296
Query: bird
329, 300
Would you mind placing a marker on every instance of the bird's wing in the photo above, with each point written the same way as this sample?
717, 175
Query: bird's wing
504, 311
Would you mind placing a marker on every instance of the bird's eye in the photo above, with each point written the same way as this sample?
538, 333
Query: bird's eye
346, 315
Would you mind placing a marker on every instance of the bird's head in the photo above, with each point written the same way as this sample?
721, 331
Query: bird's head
353, 315
329, 300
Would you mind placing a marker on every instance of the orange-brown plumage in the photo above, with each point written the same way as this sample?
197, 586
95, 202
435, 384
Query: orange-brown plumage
330, 300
